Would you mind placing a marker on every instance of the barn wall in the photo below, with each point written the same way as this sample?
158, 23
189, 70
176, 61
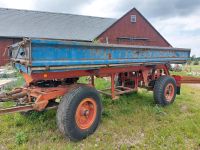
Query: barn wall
140, 29
4, 43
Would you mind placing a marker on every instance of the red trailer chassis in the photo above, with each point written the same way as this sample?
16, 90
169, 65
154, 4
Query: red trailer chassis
141, 76
79, 110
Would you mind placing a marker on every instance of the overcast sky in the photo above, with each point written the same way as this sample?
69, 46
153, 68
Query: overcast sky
177, 20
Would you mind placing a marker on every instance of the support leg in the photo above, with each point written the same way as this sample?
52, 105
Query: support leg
145, 75
113, 87
136, 82
92, 81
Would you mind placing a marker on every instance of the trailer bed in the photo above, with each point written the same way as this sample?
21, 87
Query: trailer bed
39, 55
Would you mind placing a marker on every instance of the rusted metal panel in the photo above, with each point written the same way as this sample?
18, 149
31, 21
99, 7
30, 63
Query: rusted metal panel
140, 33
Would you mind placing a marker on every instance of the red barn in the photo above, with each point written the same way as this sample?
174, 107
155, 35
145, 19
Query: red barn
131, 29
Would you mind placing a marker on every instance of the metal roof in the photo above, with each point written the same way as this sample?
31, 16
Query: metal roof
37, 24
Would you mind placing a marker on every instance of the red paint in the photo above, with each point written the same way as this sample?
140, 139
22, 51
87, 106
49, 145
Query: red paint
142, 74
169, 92
46, 94
4, 43
186, 79
102, 72
141, 29
113, 86
86, 113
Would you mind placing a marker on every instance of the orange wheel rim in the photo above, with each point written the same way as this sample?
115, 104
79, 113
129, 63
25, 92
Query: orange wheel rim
169, 92
86, 113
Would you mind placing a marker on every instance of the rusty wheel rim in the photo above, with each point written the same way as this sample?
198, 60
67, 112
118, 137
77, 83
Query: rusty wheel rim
86, 113
169, 92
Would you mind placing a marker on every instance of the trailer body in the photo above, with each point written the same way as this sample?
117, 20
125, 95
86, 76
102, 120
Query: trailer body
37, 55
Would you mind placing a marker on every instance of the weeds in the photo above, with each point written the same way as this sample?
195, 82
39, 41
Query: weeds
21, 138
159, 110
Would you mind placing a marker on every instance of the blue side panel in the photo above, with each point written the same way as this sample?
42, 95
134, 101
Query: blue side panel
37, 55
55, 53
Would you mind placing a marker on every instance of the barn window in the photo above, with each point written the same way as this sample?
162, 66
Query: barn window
133, 18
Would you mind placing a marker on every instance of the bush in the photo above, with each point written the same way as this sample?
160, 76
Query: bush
196, 62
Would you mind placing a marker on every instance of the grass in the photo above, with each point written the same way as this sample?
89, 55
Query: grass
132, 122
191, 70
196, 67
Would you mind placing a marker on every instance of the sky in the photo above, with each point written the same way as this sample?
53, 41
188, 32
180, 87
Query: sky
177, 20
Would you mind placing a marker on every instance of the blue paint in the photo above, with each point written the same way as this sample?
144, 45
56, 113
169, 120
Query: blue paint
101, 62
23, 68
45, 53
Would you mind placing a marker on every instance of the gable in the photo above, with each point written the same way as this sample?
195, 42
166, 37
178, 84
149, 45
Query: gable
133, 31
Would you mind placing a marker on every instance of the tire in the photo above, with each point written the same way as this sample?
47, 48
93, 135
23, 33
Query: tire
165, 90
81, 102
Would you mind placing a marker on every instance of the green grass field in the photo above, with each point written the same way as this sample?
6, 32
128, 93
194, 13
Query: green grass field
192, 70
132, 122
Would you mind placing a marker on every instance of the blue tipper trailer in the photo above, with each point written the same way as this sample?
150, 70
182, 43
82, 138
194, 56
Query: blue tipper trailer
64, 56
52, 68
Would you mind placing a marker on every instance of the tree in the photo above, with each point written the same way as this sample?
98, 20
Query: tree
193, 57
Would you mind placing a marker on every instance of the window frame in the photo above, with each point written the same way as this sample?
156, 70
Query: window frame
133, 20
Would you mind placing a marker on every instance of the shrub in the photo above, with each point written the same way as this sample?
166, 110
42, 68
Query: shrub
196, 62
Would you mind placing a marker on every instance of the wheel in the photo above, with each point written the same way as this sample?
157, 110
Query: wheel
165, 90
79, 113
